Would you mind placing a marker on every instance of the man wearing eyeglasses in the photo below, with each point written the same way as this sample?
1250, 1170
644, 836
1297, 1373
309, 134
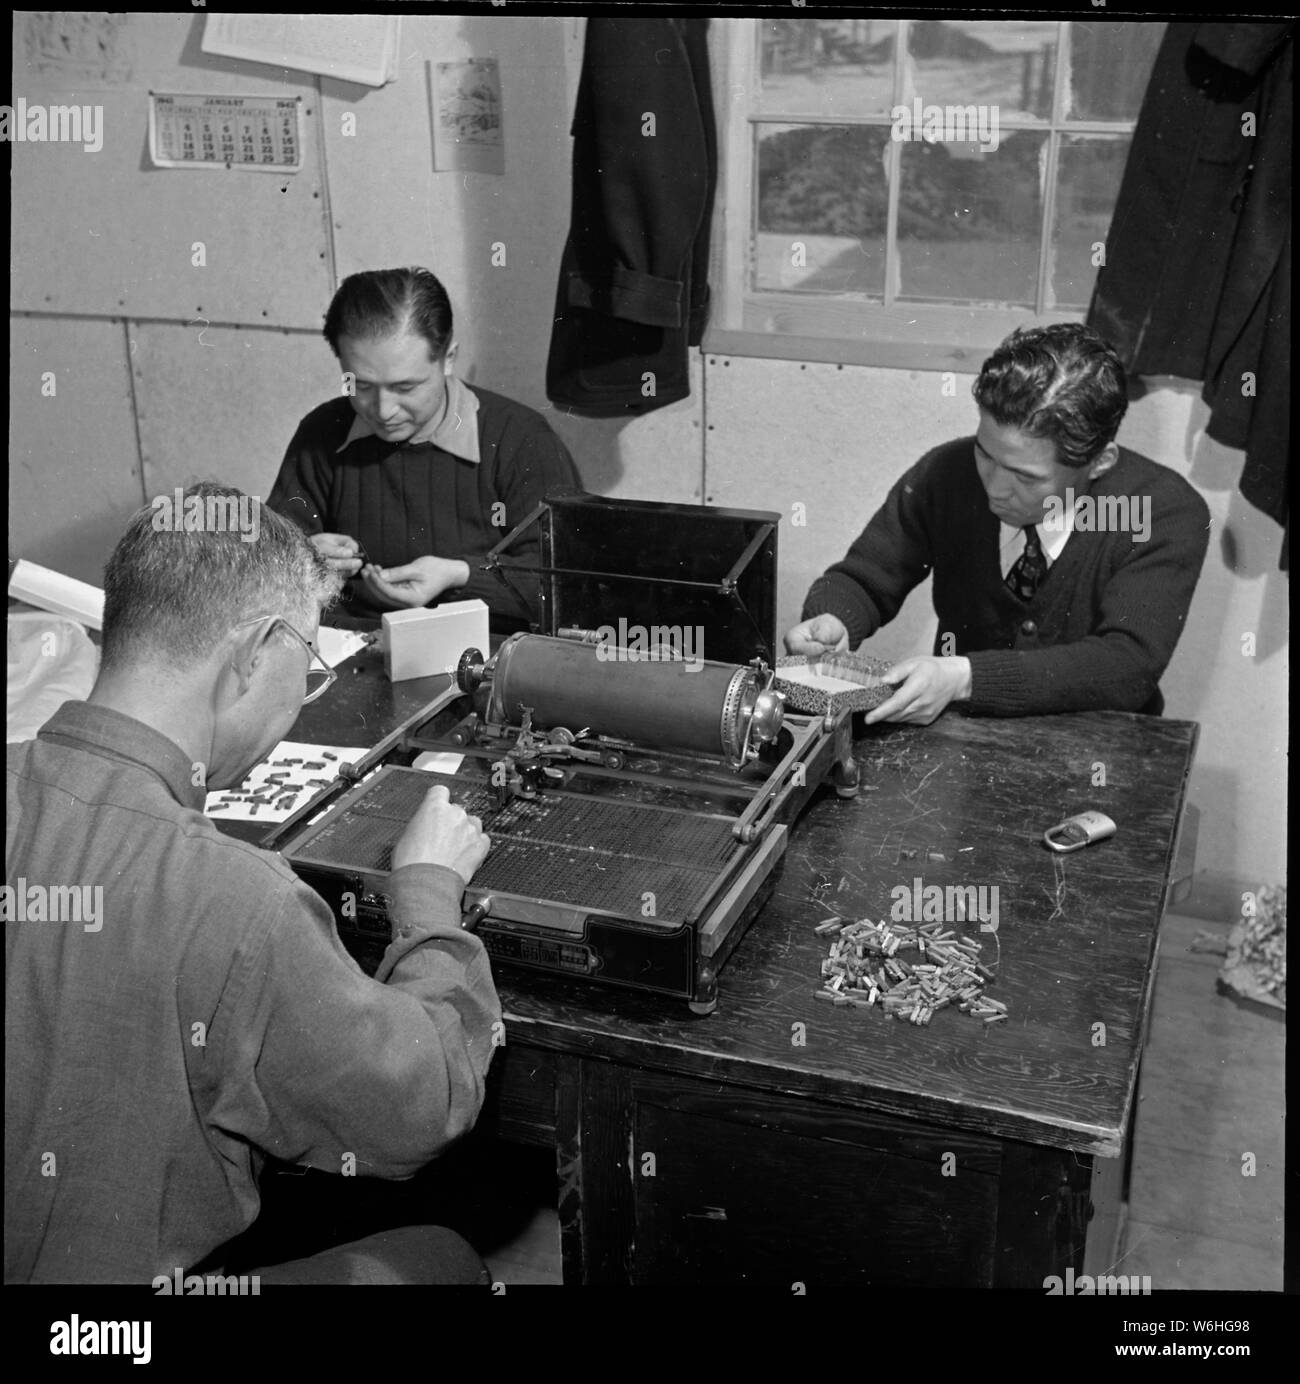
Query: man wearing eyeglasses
211, 1017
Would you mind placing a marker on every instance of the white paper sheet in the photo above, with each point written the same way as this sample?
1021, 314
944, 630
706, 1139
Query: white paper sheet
337, 645
50, 590
316, 769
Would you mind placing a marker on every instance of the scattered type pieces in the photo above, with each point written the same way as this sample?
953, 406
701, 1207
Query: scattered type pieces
285, 781
1255, 967
864, 969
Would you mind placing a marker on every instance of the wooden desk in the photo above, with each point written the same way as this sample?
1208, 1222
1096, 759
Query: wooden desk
783, 1140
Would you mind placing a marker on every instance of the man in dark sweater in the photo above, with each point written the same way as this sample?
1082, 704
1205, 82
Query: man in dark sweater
407, 481
1063, 563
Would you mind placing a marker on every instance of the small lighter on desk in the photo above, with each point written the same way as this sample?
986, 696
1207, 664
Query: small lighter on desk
1079, 831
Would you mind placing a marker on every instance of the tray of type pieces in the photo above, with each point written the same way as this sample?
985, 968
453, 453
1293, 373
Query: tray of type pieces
828, 683
567, 850
578, 884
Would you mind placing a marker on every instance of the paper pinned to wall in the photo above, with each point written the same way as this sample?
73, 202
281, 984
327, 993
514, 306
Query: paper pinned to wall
465, 104
349, 47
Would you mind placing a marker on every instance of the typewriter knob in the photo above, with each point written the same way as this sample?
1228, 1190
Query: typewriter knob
469, 671
767, 717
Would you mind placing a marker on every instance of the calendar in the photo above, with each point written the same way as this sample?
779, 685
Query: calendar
262, 132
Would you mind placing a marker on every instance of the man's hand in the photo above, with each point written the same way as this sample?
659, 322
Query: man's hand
819, 635
415, 583
341, 552
441, 833
925, 686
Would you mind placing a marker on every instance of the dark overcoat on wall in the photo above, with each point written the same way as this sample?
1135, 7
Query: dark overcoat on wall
633, 292
1197, 277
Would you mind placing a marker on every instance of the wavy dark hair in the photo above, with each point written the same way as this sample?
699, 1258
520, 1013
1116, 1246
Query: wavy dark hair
1063, 383
380, 302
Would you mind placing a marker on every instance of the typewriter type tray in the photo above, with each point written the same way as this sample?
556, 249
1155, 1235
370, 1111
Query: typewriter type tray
607, 878
827, 684
557, 860
634, 853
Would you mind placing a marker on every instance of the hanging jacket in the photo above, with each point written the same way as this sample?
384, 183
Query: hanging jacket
633, 291
1197, 275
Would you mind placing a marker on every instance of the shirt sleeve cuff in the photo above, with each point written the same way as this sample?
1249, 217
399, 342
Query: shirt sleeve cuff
424, 896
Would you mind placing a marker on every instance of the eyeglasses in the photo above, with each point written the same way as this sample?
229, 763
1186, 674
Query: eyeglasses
319, 674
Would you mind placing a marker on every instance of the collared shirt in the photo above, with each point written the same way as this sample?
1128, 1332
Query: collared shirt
1101, 630
402, 501
1051, 537
455, 429
210, 1016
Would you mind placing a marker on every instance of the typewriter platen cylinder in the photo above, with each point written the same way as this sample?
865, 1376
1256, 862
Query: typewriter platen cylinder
662, 701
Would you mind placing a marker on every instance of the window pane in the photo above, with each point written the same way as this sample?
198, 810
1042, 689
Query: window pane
827, 66
1089, 169
1010, 64
1109, 68
822, 204
969, 223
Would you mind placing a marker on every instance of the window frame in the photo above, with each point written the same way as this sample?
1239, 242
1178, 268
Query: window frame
840, 329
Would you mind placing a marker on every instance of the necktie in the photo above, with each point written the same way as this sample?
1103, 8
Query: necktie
1029, 569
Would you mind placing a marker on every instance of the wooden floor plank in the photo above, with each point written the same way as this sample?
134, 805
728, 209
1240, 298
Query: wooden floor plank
1183, 1259
1202, 1030
1224, 1118
1178, 936
1209, 1195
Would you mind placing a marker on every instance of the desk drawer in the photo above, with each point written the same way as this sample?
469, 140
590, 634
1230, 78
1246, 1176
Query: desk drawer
729, 1202
520, 1102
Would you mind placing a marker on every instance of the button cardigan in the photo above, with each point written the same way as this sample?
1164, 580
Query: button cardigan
1099, 631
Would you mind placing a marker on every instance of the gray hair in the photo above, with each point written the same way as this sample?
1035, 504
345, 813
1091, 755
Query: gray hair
172, 590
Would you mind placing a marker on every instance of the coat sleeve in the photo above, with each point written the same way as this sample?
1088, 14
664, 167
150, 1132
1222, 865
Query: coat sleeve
530, 463
890, 557
301, 489
321, 1065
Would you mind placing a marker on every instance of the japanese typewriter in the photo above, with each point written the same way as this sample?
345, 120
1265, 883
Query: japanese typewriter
638, 801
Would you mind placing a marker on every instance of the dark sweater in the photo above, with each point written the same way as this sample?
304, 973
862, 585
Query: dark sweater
402, 502
1101, 627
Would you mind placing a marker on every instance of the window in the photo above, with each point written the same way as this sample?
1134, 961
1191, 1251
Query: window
912, 212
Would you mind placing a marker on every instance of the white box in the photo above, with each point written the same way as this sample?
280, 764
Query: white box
424, 643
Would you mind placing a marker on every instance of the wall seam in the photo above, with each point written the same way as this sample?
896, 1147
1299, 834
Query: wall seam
164, 321
135, 407
704, 428
326, 201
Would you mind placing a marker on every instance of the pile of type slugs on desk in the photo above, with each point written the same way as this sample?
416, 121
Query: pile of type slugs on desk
864, 968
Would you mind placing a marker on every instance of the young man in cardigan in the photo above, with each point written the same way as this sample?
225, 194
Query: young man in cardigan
410, 477
1063, 563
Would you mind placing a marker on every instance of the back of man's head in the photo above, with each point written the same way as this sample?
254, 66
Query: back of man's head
1062, 382
183, 575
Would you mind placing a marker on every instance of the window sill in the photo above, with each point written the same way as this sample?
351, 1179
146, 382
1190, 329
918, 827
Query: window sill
904, 337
